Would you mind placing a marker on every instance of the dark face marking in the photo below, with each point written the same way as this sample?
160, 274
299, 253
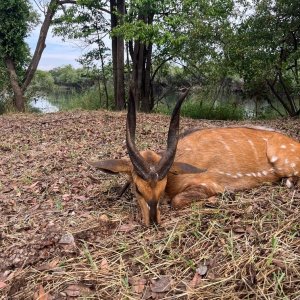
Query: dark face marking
153, 211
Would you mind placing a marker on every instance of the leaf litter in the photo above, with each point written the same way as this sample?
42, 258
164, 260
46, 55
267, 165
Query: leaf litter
66, 234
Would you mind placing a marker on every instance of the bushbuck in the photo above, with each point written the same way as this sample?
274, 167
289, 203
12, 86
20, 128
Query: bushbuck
203, 163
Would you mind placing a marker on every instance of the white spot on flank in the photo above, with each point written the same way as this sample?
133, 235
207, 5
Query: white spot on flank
286, 161
248, 174
239, 174
283, 146
250, 142
265, 173
271, 170
259, 174
293, 150
203, 184
274, 158
220, 172
235, 140
225, 145
188, 149
253, 174
293, 165
234, 176
265, 139
228, 174
296, 173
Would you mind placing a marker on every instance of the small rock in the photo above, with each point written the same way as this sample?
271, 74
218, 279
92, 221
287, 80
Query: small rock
67, 238
104, 218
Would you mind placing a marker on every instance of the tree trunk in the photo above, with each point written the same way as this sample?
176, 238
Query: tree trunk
279, 98
19, 100
52, 7
118, 6
147, 104
141, 63
19, 90
120, 104
114, 47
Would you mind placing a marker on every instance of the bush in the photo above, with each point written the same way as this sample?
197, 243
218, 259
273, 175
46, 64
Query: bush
89, 100
207, 110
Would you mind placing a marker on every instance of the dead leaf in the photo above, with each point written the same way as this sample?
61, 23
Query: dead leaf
104, 266
72, 290
40, 294
138, 284
238, 229
195, 281
66, 197
80, 198
148, 294
251, 231
163, 284
249, 209
2, 285
127, 227
202, 270
33, 185
104, 218
49, 266
76, 290
212, 200
251, 272
279, 263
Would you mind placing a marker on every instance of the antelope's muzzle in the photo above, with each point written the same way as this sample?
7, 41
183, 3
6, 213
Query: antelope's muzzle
153, 207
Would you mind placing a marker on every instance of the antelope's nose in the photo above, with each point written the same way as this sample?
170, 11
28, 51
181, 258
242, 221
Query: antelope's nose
153, 211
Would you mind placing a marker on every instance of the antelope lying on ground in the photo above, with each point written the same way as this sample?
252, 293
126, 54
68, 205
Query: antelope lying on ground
203, 163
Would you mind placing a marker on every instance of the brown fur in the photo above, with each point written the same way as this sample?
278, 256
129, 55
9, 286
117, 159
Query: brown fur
235, 158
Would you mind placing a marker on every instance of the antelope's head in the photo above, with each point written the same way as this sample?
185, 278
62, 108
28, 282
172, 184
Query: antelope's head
148, 170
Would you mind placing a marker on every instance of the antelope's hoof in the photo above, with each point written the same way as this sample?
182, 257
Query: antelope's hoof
292, 181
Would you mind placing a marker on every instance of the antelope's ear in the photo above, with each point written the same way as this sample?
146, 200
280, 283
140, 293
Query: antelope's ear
112, 166
183, 168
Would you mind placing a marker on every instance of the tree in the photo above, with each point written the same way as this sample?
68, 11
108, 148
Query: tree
264, 50
188, 32
90, 22
17, 19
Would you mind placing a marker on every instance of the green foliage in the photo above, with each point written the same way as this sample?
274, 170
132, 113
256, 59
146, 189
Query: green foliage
41, 85
73, 78
17, 19
203, 106
264, 50
90, 99
87, 23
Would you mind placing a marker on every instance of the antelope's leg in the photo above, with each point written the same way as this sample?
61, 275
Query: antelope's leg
124, 188
190, 195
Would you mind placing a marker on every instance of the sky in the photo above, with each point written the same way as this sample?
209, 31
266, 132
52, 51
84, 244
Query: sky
57, 53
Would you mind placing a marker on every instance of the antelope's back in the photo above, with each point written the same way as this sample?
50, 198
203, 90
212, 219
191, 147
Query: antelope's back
237, 157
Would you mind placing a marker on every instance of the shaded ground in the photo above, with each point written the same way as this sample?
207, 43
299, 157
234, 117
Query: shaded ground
65, 235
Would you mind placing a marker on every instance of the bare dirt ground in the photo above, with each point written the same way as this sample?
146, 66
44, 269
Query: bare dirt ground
64, 234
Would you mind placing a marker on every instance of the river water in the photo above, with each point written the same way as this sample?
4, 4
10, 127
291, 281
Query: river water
44, 105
